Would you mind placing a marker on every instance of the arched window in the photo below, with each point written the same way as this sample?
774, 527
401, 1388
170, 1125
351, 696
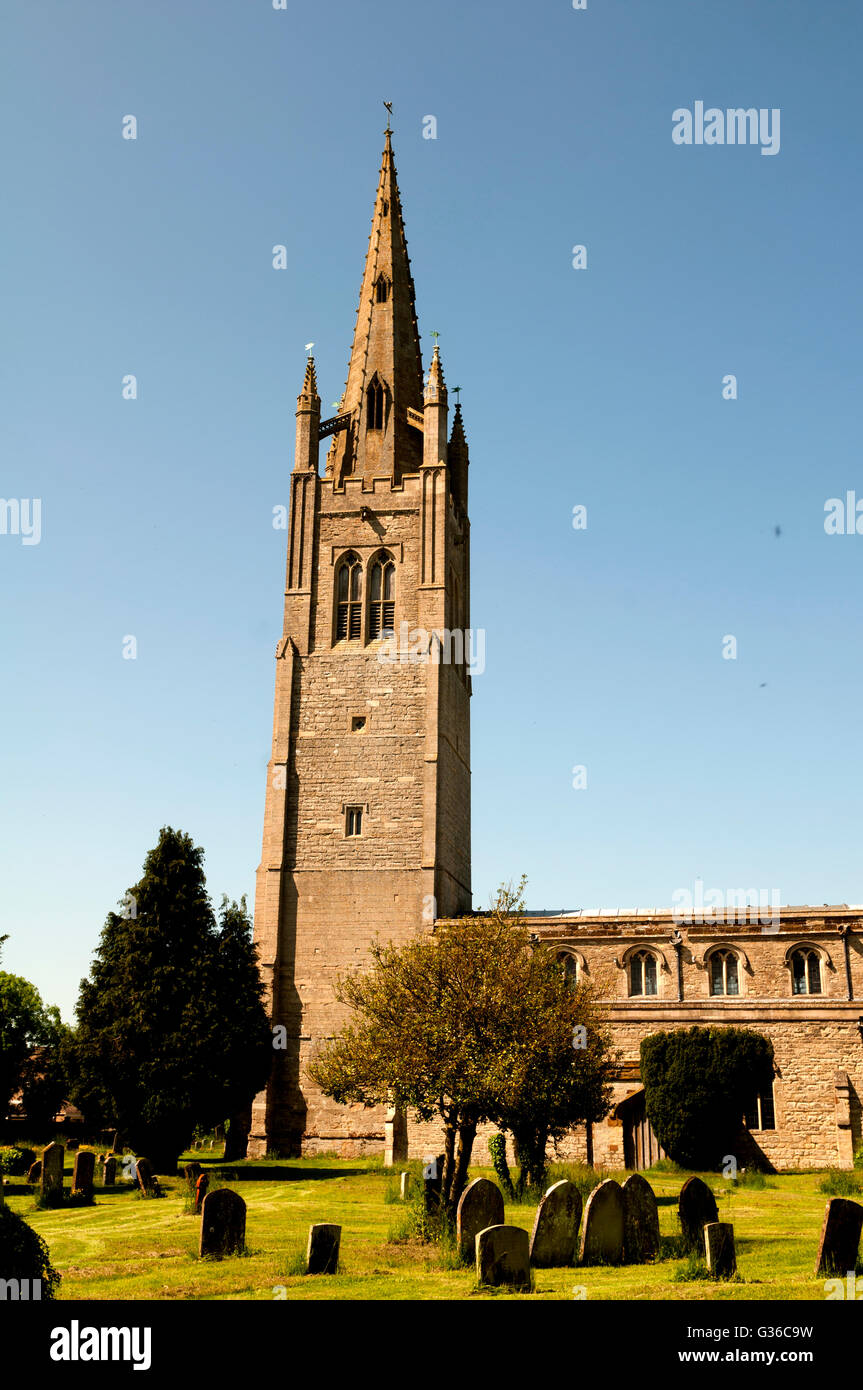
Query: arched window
349, 594
642, 973
724, 978
382, 290
382, 596
569, 966
806, 971
375, 405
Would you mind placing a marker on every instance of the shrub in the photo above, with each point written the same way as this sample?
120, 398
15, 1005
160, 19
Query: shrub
838, 1182
497, 1151
15, 1162
24, 1254
697, 1082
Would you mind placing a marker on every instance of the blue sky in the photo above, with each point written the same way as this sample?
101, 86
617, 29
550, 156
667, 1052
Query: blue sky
600, 387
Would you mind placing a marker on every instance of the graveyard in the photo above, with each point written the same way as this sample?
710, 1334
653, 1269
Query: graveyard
126, 1245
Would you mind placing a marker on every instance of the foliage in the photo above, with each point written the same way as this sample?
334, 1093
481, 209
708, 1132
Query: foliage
24, 1254
697, 1082
839, 1182
473, 1023
15, 1162
172, 1027
497, 1152
858, 1158
33, 1042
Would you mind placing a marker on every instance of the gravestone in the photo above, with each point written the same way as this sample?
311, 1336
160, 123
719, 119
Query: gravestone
640, 1221
405, 1186
223, 1223
116, 1145
82, 1174
144, 1174
35, 1171
696, 1207
503, 1256
719, 1249
555, 1228
432, 1181
72, 1144
201, 1187
322, 1256
479, 1206
602, 1231
191, 1173
109, 1170
53, 1158
28, 1158
395, 1136
840, 1237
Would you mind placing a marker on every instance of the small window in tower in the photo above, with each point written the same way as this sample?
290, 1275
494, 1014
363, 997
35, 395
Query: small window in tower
382, 290
375, 406
349, 592
353, 820
358, 723
382, 602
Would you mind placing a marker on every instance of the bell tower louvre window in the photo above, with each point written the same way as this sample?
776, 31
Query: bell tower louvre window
382, 608
349, 593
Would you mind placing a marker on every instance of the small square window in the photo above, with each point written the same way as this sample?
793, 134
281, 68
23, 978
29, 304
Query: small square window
358, 722
353, 820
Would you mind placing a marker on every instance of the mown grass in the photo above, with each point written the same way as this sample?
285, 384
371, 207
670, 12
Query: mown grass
128, 1249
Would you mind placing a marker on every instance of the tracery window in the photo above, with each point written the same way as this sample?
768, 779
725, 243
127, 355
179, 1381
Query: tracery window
642, 973
724, 977
382, 596
806, 971
349, 593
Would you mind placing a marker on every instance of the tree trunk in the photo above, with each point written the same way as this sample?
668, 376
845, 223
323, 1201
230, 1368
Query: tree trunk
449, 1158
464, 1148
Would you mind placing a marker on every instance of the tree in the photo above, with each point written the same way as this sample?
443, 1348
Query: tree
697, 1082
172, 1027
31, 1035
458, 1026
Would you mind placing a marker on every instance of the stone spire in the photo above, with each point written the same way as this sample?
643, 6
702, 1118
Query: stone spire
385, 379
458, 459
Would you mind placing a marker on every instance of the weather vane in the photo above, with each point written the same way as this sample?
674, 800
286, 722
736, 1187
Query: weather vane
435, 335
389, 106
309, 347
457, 389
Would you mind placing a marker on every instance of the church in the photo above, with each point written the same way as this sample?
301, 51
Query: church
367, 809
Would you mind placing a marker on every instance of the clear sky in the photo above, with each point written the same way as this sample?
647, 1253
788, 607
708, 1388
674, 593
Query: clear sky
601, 387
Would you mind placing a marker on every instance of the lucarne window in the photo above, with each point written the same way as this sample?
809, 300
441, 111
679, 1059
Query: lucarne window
723, 973
642, 973
382, 290
382, 605
349, 594
806, 972
375, 406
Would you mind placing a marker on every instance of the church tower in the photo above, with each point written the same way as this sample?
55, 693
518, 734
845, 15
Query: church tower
367, 813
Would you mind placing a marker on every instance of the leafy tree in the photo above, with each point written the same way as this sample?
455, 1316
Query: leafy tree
31, 1039
457, 1026
697, 1082
172, 1027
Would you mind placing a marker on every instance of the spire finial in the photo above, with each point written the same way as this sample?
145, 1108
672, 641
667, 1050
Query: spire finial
457, 389
389, 106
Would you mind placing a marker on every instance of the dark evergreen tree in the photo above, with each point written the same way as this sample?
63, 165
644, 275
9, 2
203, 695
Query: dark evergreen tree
697, 1083
172, 1027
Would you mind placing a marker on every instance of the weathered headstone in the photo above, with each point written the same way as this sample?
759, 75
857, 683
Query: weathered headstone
73, 1144
34, 1173
144, 1174
602, 1230
503, 1256
223, 1223
405, 1186
82, 1174
840, 1237
480, 1206
191, 1173
696, 1207
719, 1249
109, 1170
201, 1187
28, 1158
640, 1221
395, 1136
322, 1256
555, 1228
53, 1158
116, 1144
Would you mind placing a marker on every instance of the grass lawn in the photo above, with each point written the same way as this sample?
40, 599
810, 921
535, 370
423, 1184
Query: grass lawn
128, 1248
